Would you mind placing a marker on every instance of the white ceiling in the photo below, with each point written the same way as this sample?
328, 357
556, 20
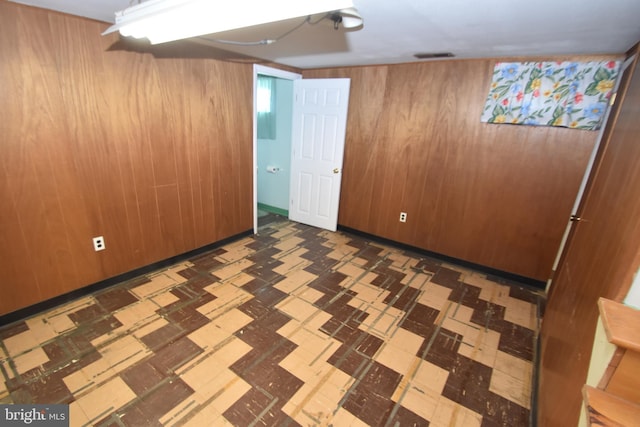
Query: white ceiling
394, 30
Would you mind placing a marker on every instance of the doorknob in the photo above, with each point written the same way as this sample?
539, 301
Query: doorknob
336, 170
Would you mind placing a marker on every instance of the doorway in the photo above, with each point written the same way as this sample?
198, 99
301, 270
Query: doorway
270, 164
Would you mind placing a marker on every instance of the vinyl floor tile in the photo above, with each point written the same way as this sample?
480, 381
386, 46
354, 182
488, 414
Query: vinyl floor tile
292, 326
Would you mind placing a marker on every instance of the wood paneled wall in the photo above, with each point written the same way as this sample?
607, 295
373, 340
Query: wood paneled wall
153, 154
600, 260
495, 195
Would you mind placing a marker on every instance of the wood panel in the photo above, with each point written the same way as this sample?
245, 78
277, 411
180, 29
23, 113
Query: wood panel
495, 195
600, 260
624, 381
152, 153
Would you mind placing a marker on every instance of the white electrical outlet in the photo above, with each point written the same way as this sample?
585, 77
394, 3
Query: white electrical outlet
403, 217
98, 244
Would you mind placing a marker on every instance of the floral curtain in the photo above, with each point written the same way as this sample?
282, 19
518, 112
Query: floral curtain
568, 94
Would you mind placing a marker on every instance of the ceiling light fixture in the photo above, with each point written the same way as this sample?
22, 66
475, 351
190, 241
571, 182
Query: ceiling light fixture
349, 18
162, 21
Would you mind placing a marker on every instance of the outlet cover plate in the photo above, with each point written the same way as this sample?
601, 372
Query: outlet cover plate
98, 244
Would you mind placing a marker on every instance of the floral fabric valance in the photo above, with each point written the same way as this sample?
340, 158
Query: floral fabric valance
568, 94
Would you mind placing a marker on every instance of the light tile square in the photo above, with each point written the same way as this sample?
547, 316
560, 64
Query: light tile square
159, 283
232, 321
521, 313
296, 308
295, 280
41, 329
421, 402
30, 360
396, 359
230, 270
484, 349
352, 270
514, 366
451, 414
434, 296
511, 388
430, 376
123, 352
229, 388
105, 399
21, 342
204, 415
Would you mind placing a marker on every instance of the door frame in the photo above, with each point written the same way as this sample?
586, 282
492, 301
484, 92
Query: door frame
587, 174
265, 71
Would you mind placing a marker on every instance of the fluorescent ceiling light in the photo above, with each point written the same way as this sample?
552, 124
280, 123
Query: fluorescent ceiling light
165, 20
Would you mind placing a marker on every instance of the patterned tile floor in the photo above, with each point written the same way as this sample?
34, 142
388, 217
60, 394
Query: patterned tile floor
294, 326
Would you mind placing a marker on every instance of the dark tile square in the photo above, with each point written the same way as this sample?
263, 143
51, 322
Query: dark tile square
197, 284
369, 406
162, 336
274, 380
446, 277
443, 351
208, 261
466, 295
468, 384
488, 315
516, 340
254, 308
364, 343
420, 319
524, 294
502, 412
381, 379
262, 241
264, 256
45, 389
255, 285
142, 377
321, 265
348, 361
269, 296
407, 298
428, 265
328, 284
173, 355
87, 314
246, 411
115, 299
188, 318
101, 327
265, 272
404, 417
157, 403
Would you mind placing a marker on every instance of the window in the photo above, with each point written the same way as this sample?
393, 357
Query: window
266, 106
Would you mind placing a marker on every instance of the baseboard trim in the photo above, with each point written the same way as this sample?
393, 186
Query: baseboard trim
39, 307
274, 210
521, 280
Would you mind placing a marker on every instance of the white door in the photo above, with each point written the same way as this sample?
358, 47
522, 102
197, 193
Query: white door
317, 148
